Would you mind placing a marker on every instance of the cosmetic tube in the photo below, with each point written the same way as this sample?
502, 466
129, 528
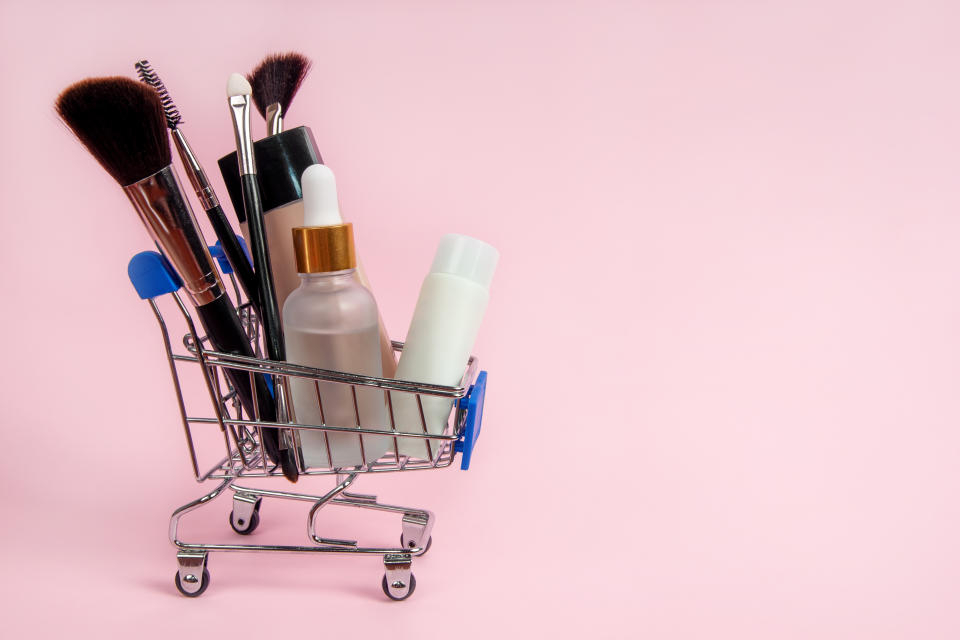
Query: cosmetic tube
444, 327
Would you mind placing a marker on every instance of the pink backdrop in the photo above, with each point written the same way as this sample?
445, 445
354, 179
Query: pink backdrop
723, 341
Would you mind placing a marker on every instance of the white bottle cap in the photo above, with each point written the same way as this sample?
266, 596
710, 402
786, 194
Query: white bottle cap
321, 208
466, 257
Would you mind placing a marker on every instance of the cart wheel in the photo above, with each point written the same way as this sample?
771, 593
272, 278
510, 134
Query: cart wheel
399, 593
246, 526
204, 583
411, 545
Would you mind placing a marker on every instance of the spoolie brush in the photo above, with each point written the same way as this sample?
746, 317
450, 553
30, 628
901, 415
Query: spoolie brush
123, 125
204, 190
274, 82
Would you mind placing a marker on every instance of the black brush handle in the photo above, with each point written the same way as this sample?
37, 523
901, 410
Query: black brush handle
273, 331
236, 256
261, 264
222, 326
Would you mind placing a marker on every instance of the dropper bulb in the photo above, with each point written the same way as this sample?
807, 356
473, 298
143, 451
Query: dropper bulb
321, 207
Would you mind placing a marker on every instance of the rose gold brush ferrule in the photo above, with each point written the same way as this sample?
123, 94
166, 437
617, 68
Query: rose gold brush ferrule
196, 174
168, 217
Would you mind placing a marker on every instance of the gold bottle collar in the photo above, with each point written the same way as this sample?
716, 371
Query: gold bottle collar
321, 249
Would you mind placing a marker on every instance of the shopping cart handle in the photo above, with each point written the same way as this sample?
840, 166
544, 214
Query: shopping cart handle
151, 275
471, 429
217, 252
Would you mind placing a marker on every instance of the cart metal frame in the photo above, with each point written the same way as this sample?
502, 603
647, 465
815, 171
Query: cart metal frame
244, 457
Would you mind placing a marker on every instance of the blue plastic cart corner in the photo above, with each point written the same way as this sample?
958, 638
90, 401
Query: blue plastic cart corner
471, 430
151, 275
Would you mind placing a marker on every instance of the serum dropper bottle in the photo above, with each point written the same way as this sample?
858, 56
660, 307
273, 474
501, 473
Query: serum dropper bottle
331, 322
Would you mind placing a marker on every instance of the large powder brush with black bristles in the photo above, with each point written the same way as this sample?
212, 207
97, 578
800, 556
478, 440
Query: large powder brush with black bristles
122, 123
275, 81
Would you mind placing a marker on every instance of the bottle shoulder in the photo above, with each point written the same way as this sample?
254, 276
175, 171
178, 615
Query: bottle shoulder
343, 309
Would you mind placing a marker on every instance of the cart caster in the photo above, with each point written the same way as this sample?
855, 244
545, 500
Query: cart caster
398, 589
398, 582
204, 583
409, 543
192, 576
417, 526
245, 516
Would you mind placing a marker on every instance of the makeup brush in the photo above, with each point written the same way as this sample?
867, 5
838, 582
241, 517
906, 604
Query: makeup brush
203, 188
238, 98
122, 124
274, 82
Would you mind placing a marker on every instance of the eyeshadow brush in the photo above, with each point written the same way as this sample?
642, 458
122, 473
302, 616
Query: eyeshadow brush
238, 99
121, 122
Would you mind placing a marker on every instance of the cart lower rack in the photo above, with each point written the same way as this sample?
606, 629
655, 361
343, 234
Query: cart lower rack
243, 455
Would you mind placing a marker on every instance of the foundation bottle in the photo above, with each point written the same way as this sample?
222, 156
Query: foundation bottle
281, 160
291, 173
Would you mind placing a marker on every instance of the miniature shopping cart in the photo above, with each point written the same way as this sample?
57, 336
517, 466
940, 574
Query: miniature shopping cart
245, 457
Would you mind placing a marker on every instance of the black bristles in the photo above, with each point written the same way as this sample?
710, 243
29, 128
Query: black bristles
150, 77
277, 79
121, 122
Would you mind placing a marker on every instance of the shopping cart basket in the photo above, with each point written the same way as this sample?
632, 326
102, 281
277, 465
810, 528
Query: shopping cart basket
242, 436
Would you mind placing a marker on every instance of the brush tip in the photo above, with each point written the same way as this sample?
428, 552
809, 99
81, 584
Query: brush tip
121, 122
277, 79
237, 85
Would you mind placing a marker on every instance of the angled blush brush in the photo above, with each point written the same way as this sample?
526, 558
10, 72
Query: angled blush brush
203, 188
273, 83
122, 124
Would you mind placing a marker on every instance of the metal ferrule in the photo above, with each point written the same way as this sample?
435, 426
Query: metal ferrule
168, 217
195, 172
324, 249
274, 117
240, 108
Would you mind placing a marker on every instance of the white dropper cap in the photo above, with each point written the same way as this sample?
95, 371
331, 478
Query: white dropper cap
466, 257
321, 207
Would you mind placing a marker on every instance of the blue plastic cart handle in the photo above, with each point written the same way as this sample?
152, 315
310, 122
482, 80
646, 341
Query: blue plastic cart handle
471, 429
151, 275
217, 252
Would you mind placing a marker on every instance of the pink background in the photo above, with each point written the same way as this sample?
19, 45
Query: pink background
723, 341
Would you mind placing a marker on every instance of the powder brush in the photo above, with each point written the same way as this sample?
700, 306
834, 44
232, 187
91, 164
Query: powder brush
122, 124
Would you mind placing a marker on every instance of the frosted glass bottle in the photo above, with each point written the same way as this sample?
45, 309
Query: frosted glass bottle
331, 322
444, 327
320, 208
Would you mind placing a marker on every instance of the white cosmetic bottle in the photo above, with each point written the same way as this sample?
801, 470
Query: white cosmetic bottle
444, 327
331, 322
